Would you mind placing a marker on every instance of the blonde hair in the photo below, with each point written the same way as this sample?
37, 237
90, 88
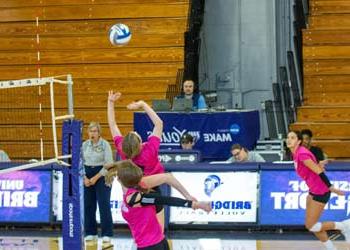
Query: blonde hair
112, 173
128, 174
95, 125
131, 145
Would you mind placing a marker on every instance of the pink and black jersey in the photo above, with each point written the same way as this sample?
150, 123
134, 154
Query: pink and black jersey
142, 222
148, 157
313, 180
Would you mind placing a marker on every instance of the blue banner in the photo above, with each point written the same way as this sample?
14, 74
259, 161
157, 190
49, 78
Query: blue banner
283, 198
214, 132
25, 196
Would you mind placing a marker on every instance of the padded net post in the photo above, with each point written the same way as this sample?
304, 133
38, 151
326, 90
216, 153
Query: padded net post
73, 188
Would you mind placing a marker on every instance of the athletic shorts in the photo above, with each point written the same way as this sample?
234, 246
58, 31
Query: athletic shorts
323, 198
163, 245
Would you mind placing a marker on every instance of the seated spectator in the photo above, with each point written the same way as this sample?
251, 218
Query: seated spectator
4, 157
306, 142
241, 154
187, 141
189, 93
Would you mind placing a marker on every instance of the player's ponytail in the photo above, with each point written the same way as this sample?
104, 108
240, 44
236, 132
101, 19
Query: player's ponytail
112, 173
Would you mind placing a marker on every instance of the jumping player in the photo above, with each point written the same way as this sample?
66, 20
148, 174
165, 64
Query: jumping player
320, 189
144, 155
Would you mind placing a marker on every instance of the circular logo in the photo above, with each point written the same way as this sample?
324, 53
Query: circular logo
98, 149
235, 129
178, 158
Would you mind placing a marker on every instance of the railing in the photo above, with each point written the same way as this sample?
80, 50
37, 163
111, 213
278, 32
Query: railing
291, 18
174, 89
192, 40
191, 50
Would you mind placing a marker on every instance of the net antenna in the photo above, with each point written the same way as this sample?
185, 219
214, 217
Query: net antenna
64, 80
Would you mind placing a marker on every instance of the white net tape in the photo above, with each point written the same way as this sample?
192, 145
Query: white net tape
58, 160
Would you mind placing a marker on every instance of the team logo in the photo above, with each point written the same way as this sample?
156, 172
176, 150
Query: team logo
211, 183
235, 129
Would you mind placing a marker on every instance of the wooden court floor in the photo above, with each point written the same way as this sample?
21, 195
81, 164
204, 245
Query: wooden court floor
53, 243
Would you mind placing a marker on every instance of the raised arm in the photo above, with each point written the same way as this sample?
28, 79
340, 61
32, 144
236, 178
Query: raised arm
112, 97
166, 178
158, 123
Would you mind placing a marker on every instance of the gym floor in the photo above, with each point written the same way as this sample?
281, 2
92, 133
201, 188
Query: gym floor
179, 240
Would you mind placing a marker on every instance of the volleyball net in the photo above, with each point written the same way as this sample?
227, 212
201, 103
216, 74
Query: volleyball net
37, 129
31, 115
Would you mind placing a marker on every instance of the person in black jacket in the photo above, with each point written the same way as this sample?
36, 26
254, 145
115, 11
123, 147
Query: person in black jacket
307, 140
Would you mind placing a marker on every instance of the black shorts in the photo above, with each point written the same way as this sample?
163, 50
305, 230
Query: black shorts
163, 245
157, 190
323, 198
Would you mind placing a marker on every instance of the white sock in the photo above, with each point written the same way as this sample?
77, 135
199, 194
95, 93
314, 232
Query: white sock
329, 245
339, 226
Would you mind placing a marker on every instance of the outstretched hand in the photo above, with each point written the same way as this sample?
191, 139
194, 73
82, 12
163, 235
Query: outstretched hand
336, 191
204, 205
112, 97
135, 105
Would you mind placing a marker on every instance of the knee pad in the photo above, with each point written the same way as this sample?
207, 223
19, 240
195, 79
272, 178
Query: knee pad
316, 228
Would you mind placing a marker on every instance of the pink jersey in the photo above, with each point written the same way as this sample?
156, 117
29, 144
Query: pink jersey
313, 181
142, 222
148, 158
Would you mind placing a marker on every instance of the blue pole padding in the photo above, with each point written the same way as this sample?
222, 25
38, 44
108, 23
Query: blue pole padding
73, 187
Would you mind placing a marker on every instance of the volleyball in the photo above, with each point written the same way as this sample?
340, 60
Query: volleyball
119, 34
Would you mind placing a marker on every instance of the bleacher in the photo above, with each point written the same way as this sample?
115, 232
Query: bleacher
74, 40
326, 65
